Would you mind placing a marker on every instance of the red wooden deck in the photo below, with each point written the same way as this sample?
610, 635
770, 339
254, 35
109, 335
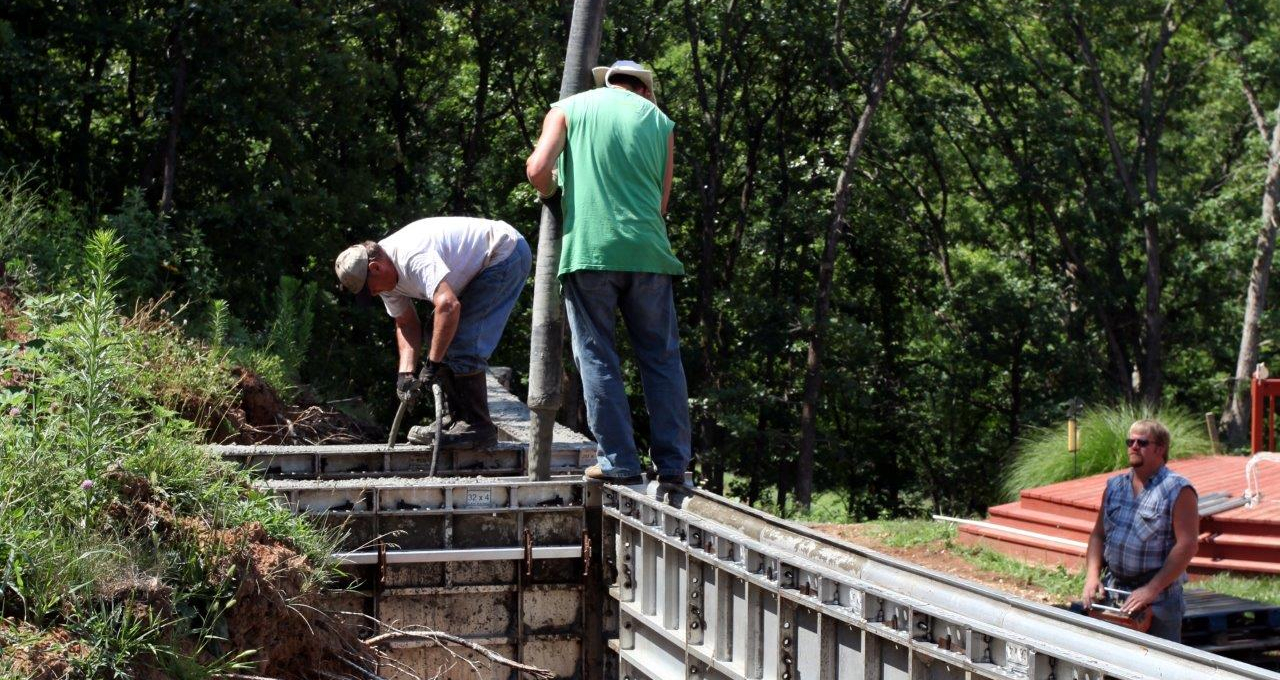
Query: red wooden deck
1242, 539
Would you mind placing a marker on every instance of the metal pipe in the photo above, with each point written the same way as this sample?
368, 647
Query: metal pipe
1079, 545
548, 552
545, 361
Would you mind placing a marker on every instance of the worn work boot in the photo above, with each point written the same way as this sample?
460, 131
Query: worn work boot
426, 434
472, 427
595, 473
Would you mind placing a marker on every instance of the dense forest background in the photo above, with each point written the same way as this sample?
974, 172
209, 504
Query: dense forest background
1051, 201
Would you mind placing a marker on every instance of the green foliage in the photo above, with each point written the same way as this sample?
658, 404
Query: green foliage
219, 323
19, 208
1260, 588
1062, 585
991, 266
1043, 458
96, 411
290, 335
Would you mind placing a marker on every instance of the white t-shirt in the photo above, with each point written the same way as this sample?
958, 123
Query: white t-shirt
435, 249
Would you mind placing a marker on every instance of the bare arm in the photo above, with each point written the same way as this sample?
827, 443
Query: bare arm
1093, 559
1186, 536
666, 176
448, 311
408, 339
542, 161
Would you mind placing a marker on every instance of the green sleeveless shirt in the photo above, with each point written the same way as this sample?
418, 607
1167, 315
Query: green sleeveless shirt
611, 170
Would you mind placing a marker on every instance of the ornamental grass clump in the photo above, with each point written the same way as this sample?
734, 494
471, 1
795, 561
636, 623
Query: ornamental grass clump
1042, 457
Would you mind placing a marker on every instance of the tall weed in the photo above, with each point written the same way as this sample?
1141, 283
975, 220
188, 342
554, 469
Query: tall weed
98, 393
290, 334
1042, 457
19, 208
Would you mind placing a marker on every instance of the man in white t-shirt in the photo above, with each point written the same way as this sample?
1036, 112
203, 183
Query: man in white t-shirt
472, 271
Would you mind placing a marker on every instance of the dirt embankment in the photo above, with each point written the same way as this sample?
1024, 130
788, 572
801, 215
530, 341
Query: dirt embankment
274, 612
260, 416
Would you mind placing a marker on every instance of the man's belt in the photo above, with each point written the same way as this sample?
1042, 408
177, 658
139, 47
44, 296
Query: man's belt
1132, 583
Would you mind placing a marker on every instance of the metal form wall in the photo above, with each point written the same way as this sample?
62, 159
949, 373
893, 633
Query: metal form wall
704, 588
356, 461
501, 562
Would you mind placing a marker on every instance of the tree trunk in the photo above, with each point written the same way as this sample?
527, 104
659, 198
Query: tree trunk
461, 203
82, 157
1235, 419
169, 178
1150, 121
826, 268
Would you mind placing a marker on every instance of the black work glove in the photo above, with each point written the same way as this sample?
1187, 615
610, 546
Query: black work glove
431, 372
407, 387
552, 203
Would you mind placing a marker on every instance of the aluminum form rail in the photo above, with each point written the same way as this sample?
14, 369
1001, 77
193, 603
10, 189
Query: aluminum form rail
502, 519
548, 552
351, 461
708, 588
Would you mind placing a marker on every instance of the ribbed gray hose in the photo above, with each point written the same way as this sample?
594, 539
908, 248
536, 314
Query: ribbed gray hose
545, 361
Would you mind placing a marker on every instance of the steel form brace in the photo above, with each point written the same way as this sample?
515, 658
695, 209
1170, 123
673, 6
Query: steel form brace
697, 598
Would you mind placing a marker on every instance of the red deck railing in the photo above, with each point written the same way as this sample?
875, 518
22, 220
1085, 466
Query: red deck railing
1262, 421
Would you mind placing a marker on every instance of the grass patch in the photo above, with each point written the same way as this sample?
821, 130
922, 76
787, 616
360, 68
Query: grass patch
1063, 584
909, 533
1260, 588
1042, 457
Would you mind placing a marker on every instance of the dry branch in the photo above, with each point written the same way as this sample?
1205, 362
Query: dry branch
436, 636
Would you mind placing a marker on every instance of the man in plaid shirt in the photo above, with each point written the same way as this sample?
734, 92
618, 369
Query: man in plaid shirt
1146, 533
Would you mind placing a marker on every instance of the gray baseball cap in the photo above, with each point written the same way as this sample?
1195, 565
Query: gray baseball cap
352, 268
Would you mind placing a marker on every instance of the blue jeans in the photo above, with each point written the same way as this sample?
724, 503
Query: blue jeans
486, 302
592, 300
1167, 613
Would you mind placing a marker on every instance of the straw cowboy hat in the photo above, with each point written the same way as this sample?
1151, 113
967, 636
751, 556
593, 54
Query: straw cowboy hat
623, 67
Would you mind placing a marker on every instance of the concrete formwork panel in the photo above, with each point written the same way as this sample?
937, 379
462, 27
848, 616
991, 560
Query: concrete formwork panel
448, 662
489, 530
560, 656
430, 575
406, 531
552, 609
492, 560
476, 573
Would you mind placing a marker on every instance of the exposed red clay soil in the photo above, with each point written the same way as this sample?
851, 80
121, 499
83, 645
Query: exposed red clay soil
260, 416
49, 658
272, 614
937, 558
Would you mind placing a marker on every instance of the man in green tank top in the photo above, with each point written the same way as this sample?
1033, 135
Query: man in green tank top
614, 149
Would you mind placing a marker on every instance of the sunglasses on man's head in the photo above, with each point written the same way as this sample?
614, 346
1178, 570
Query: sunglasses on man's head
1142, 443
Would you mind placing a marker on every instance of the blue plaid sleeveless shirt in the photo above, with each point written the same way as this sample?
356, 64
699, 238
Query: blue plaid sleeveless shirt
1139, 529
